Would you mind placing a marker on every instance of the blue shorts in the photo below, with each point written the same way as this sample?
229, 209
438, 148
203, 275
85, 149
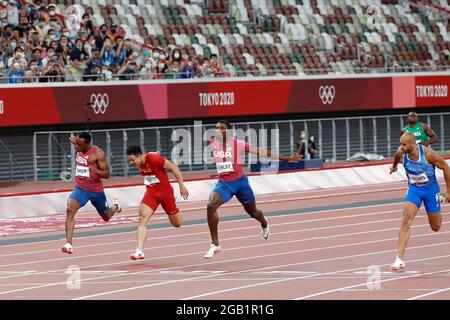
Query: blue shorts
98, 199
429, 194
239, 188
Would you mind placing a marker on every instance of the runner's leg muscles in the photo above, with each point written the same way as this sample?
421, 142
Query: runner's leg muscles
176, 219
215, 201
435, 220
72, 207
145, 213
255, 213
409, 212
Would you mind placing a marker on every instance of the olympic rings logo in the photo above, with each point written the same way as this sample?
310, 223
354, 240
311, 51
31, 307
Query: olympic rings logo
327, 94
99, 102
2, 107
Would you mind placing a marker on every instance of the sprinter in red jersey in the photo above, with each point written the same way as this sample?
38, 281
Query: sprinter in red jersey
159, 191
91, 167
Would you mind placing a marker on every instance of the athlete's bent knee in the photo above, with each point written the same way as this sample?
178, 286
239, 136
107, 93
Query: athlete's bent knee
105, 217
211, 208
435, 227
70, 212
407, 221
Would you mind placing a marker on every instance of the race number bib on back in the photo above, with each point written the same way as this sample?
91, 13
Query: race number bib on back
150, 180
82, 171
224, 167
418, 179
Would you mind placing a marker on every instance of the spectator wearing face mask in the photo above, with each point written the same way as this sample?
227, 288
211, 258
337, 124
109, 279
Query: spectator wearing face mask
206, 69
19, 56
65, 46
312, 146
53, 25
101, 37
147, 71
33, 73
173, 71
176, 56
15, 73
77, 50
189, 70
161, 68
51, 36
50, 55
52, 15
119, 51
107, 54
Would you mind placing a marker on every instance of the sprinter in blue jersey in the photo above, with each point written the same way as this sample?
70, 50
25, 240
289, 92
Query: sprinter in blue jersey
419, 163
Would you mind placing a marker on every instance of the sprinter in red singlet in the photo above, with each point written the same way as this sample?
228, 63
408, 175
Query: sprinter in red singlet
91, 167
159, 191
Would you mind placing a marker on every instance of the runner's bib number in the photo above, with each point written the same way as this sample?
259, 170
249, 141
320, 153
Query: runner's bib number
418, 179
82, 171
224, 167
150, 180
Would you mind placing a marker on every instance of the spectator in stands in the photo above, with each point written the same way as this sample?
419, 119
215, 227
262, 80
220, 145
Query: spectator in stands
54, 72
77, 51
176, 56
93, 61
15, 72
147, 71
119, 51
101, 37
34, 71
206, 70
107, 54
174, 71
188, 70
216, 66
13, 12
94, 72
312, 146
129, 70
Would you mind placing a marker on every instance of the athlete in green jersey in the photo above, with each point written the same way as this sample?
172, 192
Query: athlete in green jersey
423, 133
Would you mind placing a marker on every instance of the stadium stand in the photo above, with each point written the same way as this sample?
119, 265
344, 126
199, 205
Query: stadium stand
80, 40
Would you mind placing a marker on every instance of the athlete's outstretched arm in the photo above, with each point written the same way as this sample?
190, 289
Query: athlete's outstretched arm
273, 155
103, 167
432, 137
398, 158
439, 162
168, 165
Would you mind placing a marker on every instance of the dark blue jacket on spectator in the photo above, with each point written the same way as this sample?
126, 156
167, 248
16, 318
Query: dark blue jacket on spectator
188, 72
108, 58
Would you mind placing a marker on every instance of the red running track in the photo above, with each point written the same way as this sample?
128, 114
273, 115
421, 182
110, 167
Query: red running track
328, 254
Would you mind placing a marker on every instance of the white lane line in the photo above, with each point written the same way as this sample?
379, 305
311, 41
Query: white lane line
207, 232
429, 294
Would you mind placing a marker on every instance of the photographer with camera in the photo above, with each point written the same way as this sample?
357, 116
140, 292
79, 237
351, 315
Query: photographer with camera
129, 70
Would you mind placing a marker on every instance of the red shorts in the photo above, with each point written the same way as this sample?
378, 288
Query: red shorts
165, 198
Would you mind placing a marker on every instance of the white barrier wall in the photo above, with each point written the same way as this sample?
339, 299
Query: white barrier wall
55, 203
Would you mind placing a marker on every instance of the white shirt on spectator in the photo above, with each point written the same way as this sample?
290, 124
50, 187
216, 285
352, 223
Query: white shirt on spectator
13, 15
